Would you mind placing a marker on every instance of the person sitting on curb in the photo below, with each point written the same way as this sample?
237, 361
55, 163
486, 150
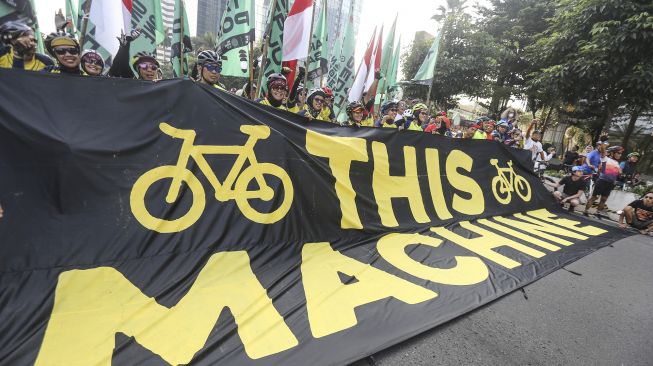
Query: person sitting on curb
574, 187
639, 214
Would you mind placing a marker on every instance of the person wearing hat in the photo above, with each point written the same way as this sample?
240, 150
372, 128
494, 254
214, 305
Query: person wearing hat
608, 173
65, 49
420, 118
573, 187
314, 107
388, 114
143, 65
299, 101
277, 89
18, 48
92, 63
354, 114
208, 68
629, 171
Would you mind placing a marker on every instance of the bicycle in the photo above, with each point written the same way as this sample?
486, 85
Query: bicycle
506, 182
234, 187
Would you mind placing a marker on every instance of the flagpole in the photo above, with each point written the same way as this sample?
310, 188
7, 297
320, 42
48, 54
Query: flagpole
326, 16
310, 42
87, 11
181, 38
266, 44
251, 66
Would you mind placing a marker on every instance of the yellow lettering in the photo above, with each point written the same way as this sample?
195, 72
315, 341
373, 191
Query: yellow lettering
475, 205
484, 244
518, 234
330, 303
340, 151
91, 306
435, 184
545, 215
386, 187
468, 271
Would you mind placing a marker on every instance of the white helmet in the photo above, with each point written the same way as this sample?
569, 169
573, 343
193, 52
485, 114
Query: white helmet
408, 113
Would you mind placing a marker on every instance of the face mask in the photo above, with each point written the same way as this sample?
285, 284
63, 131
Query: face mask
511, 115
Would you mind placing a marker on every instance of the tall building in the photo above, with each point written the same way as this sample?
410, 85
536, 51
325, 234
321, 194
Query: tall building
209, 15
337, 15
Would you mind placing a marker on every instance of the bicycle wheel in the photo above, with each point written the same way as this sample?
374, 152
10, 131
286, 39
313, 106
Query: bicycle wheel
501, 193
143, 215
243, 199
522, 188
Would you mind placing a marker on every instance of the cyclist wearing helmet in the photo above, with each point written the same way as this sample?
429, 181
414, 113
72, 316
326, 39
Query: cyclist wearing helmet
354, 114
277, 88
420, 118
207, 69
388, 115
629, 171
314, 107
143, 65
92, 63
485, 130
300, 98
501, 133
608, 173
328, 105
65, 49
18, 48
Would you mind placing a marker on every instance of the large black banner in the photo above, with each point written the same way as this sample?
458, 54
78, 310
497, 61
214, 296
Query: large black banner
169, 223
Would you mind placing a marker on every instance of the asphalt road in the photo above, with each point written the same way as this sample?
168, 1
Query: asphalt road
602, 317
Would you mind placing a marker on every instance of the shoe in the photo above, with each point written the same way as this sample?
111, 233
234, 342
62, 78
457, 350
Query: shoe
586, 213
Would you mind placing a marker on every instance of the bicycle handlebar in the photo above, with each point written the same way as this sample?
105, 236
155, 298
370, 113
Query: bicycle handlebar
176, 132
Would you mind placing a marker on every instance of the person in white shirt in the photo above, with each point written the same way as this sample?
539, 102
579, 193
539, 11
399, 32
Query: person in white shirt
533, 143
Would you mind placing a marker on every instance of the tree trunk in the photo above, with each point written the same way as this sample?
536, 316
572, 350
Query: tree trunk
546, 120
634, 114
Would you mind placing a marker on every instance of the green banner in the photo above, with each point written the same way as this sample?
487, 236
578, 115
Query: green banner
427, 70
391, 77
146, 15
345, 69
87, 32
180, 41
275, 42
318, 56
236, 32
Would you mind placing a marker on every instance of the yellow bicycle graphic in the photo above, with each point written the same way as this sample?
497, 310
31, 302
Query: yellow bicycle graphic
506, 182
235, 185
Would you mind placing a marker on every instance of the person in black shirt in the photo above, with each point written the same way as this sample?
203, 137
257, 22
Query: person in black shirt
571, 156
639, 214
574, 186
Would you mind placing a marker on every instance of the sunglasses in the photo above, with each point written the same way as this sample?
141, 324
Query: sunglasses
213, 67
319, 100
278, 87
69, 50
93, 62
148, 66
393, 109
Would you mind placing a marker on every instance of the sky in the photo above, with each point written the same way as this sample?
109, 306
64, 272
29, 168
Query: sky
414, 15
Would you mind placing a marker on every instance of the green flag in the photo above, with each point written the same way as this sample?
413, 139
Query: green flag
86, 31
180, 41
25, 11
427, 70
345, 68
334, 64
146, 15
275, 42
236, 32
71, 14
387, 57
391, 76
317, 57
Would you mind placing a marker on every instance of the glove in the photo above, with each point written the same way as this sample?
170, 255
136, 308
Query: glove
133, 34
377, 75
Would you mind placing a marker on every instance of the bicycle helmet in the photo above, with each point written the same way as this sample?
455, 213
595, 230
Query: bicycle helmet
144, 57
419, 106
59, 39
12, 30
315, 92
354, 106
503, 124
408, 113
634, 154
208, 56
615, 149
89, 55
328, 91
277, 79
387, 105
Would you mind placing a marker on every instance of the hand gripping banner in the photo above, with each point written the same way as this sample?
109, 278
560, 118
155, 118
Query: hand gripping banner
170, 224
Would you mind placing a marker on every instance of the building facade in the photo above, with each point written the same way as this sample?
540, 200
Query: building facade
209, 15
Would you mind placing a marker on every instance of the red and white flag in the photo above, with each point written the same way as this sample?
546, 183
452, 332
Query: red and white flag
110, 17
357, 89
297, 30
375, 63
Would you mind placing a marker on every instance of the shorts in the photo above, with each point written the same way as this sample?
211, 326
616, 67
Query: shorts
640, 225
602, 188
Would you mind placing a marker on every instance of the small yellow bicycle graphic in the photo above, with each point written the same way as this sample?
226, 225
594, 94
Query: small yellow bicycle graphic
506, 182
235, 185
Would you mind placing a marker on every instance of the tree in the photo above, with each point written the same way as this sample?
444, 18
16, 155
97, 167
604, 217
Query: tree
600, 52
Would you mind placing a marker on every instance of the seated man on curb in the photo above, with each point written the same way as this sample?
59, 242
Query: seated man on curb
574, 186
639, 214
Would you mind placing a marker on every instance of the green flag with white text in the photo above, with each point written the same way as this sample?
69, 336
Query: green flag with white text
391, 77
318, 55
146, 16
387, 57
346, 64
236, 32
275, 42
427, 70
180, 41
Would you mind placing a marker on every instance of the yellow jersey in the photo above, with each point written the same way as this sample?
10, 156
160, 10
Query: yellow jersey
38, 63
